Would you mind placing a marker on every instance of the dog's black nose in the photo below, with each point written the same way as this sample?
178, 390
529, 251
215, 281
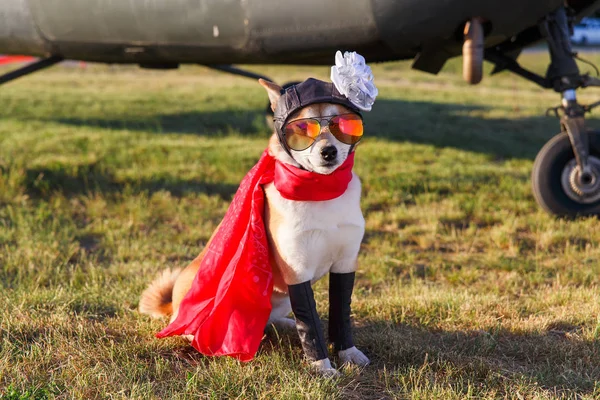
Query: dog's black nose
329, 153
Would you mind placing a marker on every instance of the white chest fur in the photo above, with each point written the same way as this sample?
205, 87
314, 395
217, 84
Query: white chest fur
312, 238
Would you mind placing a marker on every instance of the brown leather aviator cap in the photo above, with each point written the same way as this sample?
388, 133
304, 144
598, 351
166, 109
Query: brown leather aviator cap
310, 91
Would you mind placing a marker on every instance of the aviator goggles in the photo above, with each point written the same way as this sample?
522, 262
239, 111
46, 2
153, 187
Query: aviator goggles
300, 134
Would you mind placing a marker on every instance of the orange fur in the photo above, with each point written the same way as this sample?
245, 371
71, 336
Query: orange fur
156, 299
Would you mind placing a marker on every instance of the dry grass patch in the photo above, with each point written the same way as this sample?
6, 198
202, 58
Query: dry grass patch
465, 290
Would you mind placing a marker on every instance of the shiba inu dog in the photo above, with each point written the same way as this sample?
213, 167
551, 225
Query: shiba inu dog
307, 239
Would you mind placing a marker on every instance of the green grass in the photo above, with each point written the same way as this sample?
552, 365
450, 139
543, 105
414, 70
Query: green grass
465, 290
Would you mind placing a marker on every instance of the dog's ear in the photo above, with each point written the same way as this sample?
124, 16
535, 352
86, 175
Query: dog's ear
273, 90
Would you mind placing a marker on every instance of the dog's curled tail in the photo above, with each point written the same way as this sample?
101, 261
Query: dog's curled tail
156, 300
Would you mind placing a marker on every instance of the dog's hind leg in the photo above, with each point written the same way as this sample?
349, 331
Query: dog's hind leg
280, 311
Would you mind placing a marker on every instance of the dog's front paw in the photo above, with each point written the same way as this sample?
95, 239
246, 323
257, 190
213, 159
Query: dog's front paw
353, 356
324, 368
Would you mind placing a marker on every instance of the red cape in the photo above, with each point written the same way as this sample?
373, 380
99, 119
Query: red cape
228, 305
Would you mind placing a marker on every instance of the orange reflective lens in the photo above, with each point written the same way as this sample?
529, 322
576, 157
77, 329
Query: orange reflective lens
347, 128
302, 133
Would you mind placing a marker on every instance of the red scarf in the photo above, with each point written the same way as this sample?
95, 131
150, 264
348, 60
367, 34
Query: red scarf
229, 303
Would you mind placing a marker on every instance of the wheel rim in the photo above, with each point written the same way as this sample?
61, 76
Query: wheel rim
582, 188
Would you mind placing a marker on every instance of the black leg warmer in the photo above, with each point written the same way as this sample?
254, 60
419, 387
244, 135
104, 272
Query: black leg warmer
308, 323
340, 296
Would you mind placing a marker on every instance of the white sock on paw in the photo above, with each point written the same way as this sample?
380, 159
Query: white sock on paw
324, 367
353, 356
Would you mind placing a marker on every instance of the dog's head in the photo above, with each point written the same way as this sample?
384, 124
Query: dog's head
327, 153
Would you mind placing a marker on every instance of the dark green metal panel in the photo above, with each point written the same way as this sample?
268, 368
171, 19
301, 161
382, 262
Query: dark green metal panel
205, 31
291, 25
260, 27
17, 30
433, 28
211, 23
164, 33
422, 23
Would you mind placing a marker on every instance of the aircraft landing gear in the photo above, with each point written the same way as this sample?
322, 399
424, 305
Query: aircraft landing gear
566, 171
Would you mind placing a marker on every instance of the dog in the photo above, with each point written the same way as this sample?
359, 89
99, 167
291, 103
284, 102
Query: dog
307, 240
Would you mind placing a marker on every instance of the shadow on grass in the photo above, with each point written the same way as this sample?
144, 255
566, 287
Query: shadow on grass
212, 123
459, 126
465, 127
557, 360
439, 124
73, 180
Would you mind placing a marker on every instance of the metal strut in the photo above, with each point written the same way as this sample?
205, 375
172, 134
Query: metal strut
562, 72
230, 69
504, 62
564, 77
30, 68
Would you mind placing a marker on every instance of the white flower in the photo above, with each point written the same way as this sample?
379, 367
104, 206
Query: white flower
354, 79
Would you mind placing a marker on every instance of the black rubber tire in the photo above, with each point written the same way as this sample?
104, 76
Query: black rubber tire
269, 112
546, 177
